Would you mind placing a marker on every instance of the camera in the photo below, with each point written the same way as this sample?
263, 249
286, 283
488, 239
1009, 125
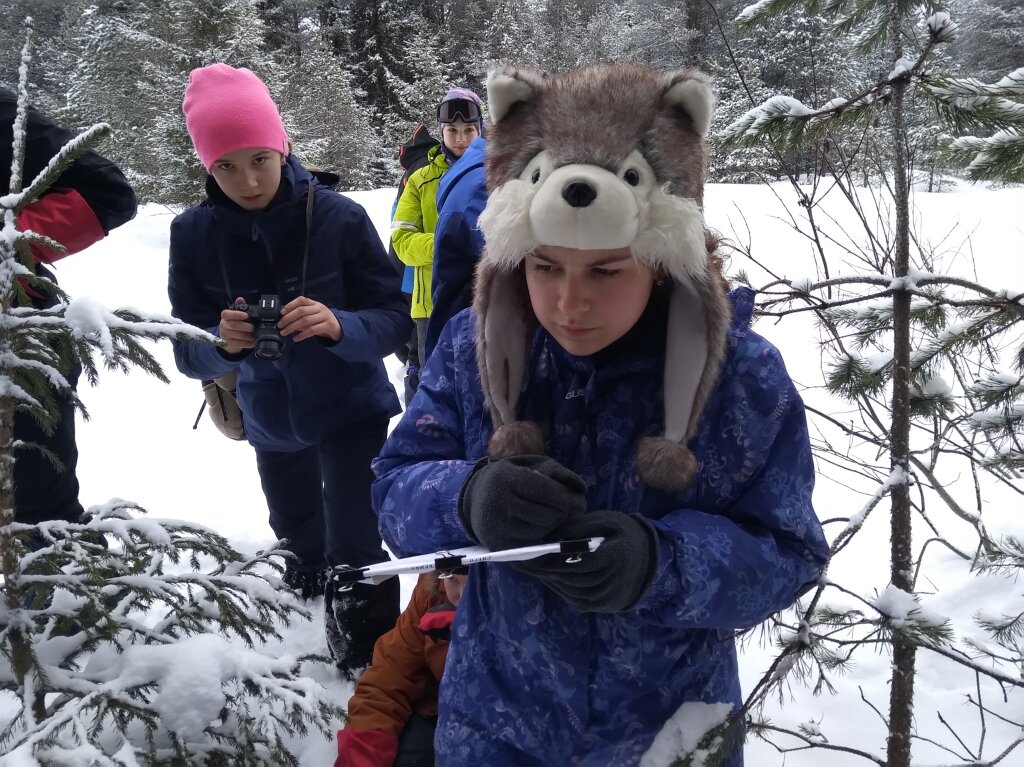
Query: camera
264, 316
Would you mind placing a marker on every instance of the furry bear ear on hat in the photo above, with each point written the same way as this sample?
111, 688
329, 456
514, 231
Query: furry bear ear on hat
685, 89
508, 85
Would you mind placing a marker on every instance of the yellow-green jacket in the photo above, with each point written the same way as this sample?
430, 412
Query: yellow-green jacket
412, 228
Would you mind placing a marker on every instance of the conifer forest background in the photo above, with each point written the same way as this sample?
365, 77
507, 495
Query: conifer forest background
866, 170
354, 76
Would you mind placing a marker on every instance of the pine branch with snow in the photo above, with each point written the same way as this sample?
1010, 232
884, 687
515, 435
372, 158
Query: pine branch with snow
126, 639
129, 622
901, 343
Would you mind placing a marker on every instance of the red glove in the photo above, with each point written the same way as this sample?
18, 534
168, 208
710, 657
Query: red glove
366, 748
62, 215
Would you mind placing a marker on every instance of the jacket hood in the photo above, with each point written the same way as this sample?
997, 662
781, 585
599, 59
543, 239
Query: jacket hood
416, 147
471, 160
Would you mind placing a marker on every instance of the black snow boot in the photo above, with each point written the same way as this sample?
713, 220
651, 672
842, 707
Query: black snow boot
308, 584
355, 618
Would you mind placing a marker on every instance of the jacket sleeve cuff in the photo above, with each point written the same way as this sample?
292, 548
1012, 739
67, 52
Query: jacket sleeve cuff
356, 343
62, 215
366, 748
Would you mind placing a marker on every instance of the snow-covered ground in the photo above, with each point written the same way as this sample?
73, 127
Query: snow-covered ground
140, 445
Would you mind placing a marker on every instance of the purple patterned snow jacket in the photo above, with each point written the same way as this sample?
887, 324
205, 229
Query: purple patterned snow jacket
532, 681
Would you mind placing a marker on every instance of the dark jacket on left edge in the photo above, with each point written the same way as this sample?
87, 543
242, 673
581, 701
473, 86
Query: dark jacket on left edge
88, 199
316, 386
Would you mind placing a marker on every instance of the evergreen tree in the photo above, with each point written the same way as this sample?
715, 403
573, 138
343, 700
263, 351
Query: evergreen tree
992, 40
653, 33
791, 56
561, 32
326, 125
91, 680
134, 65
508, 32
48, 18
376, 42
974, 105
904, 341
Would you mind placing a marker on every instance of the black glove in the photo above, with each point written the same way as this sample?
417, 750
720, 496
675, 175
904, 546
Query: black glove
608, 580
518, 501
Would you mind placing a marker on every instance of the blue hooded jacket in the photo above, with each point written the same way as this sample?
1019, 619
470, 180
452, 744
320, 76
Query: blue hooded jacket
458, 242
532, 681
316, 386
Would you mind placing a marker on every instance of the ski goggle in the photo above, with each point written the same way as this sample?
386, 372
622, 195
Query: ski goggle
458, 109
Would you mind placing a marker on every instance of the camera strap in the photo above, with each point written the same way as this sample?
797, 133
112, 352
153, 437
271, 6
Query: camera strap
224, 268
309, 228
305, 252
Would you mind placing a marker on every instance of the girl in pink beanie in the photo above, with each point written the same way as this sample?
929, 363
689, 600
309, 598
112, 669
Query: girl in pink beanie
272, 247
227, 109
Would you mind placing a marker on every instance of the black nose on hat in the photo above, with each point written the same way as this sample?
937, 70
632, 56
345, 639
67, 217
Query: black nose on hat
579, 194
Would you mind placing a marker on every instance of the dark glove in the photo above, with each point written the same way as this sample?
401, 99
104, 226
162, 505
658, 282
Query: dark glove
608, 580
518, 501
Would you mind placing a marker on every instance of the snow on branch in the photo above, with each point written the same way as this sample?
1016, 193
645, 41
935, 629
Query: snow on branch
58, 163
128, 595
997, 157
681, 739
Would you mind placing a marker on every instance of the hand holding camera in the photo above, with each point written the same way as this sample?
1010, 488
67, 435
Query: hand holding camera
236, 331
253, 326
304, 318
265, 325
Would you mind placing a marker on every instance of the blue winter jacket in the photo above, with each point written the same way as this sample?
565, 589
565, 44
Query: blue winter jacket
316, 387
532, 681
458, 241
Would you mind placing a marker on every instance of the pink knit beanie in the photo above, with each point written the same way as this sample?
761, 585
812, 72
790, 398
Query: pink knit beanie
228, 109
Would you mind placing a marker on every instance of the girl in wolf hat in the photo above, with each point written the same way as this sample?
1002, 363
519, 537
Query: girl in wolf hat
317, 400
605, 385
459, 121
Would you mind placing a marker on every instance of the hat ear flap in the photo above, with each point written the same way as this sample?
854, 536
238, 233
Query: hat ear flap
687, 90
507, 86
504, 326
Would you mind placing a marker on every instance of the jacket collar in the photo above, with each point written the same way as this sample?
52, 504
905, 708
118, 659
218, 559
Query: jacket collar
470, 161
276, 217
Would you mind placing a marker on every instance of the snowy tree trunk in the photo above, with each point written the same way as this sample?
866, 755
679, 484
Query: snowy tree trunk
21, 654
698, 21
901, 693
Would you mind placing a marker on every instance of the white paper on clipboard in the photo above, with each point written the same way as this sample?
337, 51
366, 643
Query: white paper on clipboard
451, 559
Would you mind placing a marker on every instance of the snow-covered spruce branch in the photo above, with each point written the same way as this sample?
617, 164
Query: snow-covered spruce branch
238, 596
82, 599
855, 522
787, 121
185, 695
46, 178
967, 103
900, 613
999, 157
805, 290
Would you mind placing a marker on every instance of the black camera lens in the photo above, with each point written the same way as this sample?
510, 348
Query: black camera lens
264, 316
269, 343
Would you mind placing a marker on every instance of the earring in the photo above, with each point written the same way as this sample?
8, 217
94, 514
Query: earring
660, 282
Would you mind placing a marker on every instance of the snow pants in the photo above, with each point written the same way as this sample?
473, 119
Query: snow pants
319, 497
42, 491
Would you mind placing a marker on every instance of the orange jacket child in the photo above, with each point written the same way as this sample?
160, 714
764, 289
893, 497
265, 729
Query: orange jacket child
393, 711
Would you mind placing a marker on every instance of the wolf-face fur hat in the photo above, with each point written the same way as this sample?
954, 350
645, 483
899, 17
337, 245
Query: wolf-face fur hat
603, 157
